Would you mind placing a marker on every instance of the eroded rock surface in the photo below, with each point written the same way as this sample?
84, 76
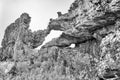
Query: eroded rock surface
92, 25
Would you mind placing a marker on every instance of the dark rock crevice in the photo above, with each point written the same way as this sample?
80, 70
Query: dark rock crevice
92, 26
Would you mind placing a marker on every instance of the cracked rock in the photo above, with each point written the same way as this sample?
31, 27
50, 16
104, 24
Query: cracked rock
91, 25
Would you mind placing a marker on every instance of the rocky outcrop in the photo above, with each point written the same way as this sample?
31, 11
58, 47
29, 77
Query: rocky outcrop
18, 36
92, 25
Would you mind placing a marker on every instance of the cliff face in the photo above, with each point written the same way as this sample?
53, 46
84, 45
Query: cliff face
91, 25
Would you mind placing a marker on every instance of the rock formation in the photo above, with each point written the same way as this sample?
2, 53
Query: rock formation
92, 25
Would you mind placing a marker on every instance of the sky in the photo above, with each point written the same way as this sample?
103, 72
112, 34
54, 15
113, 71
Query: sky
39, 10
